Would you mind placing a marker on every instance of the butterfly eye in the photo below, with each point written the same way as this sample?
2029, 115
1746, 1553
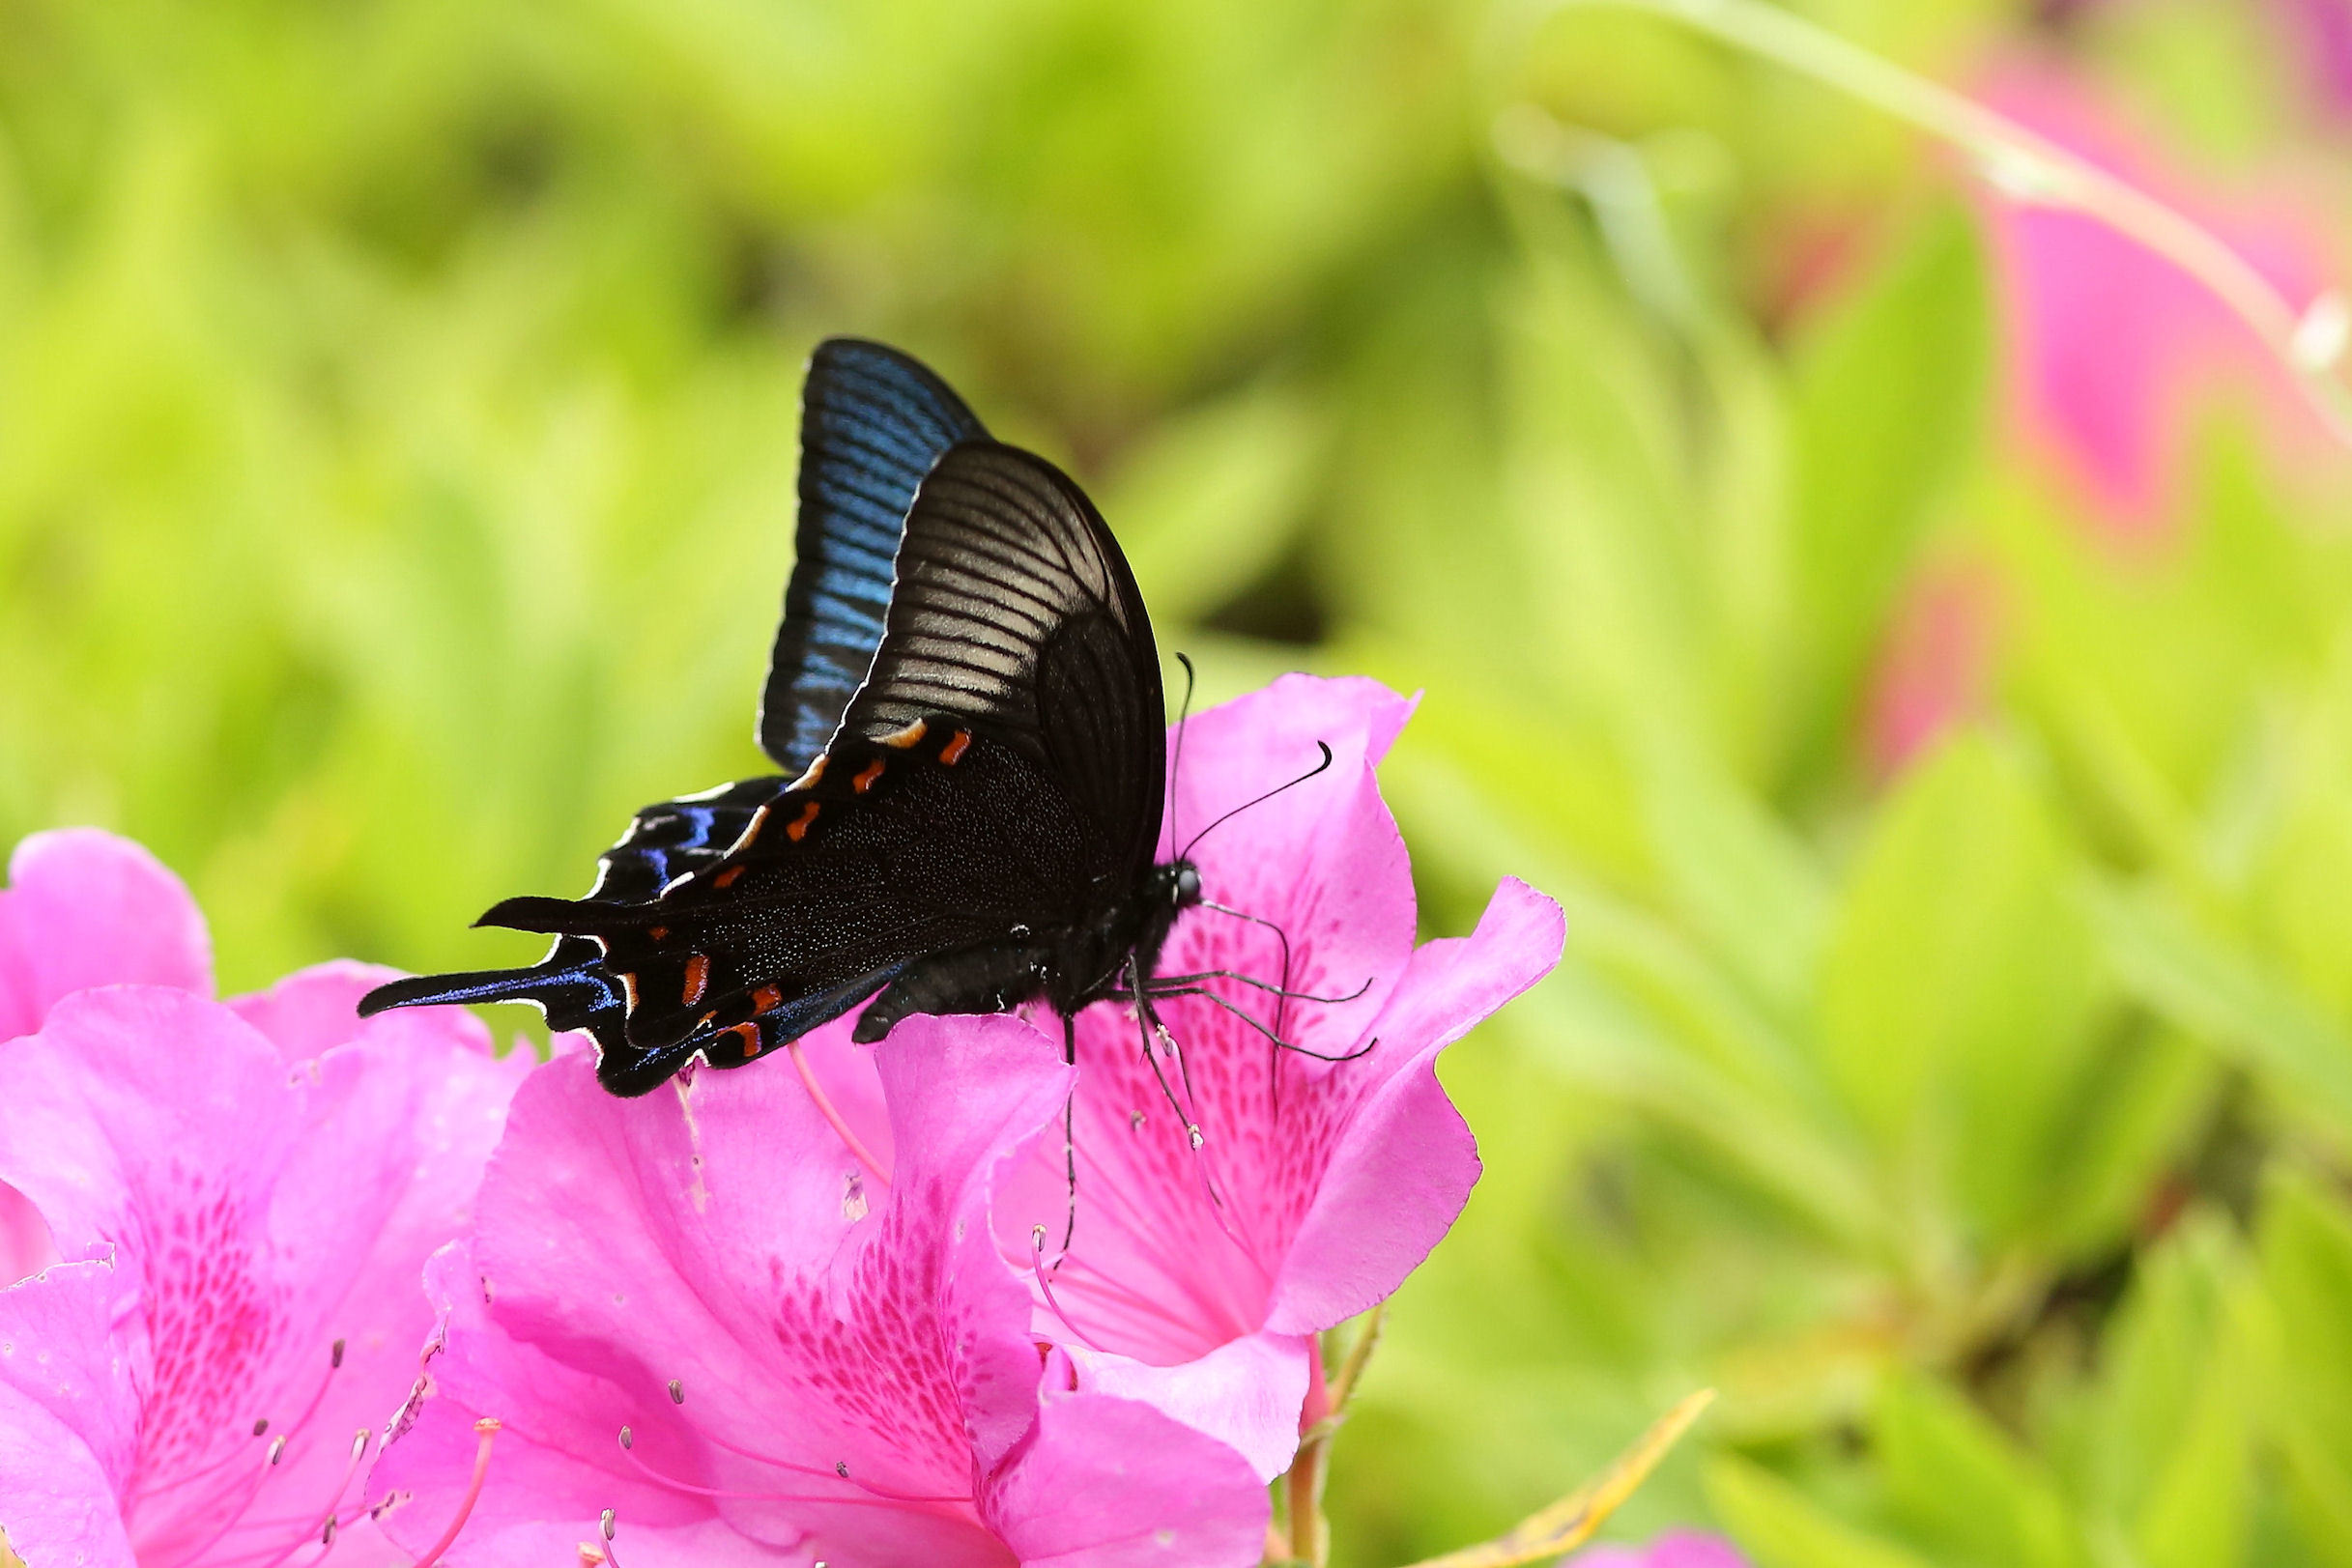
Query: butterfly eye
1188, 885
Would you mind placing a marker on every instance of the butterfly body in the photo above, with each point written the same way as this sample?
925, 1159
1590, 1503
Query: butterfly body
978, 828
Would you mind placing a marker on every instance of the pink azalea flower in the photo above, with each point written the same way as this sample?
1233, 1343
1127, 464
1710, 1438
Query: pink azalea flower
243, 1195
808, 1362
1199, 1277
1675, 1549
2111, 346
84, 908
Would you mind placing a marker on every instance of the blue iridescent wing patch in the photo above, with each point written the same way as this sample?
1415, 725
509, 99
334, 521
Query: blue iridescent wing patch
872, 422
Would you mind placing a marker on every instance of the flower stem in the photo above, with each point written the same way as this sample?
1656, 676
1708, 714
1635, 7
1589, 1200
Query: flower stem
1308, 1539
2308, 343
1309, 1532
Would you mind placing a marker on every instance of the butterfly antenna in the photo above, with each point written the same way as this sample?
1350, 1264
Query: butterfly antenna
1260, 800
1184, 713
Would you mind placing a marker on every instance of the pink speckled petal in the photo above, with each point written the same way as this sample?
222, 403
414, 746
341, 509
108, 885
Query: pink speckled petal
717, 1232
269, 1211
553, 1468
85, 908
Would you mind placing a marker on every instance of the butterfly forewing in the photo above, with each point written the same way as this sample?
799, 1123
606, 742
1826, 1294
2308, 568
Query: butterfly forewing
872, 421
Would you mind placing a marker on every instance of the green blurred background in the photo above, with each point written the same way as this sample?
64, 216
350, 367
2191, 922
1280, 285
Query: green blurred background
396, 415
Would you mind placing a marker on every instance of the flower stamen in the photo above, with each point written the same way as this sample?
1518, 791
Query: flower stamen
1036, 1268
833, 1116
879, 1499
487, 1428
325, 1526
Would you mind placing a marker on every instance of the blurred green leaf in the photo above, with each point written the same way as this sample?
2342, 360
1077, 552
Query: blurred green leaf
2170, 1452
2223, 996
2307, 1268
1958, 1481
1888, 400
1213, 499
1957, 986
1780, 1529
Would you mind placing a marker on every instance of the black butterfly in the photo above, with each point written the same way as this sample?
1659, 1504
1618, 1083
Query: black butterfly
965, 697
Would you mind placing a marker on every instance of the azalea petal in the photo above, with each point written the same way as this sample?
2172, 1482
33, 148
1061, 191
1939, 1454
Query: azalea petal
1112, 1483
718, 1234
141, 1104
553, 1468
69, 1418
1164, 1272
1322, 860
1239, 750
86, 908
315, 1009
1406, 1163
269, 1216
1245, 1393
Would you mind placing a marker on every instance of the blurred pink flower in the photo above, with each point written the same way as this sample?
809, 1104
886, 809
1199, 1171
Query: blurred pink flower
1198, 1277
806, 1366
2318, 32
1935, 669
2110, 345
1675, 1549
244, 1195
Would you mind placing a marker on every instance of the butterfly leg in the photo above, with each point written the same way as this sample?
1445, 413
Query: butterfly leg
1147, 1020
1273, 1041
1282, 1003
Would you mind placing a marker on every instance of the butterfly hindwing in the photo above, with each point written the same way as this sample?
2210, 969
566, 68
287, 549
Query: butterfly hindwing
792, 926
573, 986
872, 421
